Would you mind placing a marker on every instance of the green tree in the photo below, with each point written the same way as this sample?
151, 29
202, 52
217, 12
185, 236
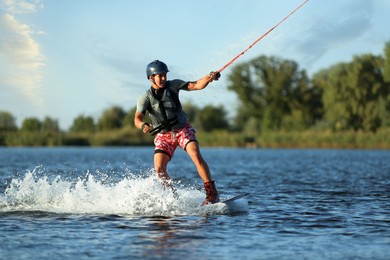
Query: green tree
7, 121
270, 90
50, 125
211, 118
353, 92
251, 100
191, 110
83, 124
386, 66
385, 102
111, 118
31, 124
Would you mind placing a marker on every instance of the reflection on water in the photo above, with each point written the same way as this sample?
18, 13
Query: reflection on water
164, 235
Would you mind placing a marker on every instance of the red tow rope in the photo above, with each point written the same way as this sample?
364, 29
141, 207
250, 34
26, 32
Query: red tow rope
261, 37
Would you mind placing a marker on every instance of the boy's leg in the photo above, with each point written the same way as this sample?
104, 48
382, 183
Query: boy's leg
204, 172
160, 165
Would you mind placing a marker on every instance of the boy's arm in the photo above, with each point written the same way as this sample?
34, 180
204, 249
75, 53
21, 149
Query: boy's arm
139, 123
203, 82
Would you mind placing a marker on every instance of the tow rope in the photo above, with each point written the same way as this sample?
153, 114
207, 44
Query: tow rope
261, 37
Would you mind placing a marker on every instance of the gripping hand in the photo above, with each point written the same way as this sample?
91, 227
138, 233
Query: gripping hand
214, 75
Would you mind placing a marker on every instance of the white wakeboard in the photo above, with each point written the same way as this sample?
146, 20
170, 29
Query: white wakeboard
227, 206
236, 203
239, 196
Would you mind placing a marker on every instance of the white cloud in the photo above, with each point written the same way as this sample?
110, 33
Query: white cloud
21, 58
21, 6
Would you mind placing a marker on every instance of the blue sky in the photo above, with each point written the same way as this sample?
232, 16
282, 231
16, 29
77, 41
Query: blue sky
66, 58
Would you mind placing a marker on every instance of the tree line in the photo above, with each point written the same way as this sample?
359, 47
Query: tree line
113, 127
274, 95
207, 118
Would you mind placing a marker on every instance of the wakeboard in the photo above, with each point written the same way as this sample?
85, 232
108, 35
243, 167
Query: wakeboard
228, 206
239, 196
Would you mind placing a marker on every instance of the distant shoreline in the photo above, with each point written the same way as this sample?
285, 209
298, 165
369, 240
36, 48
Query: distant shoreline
221, 138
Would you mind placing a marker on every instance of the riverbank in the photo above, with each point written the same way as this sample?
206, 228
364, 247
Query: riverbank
134, 137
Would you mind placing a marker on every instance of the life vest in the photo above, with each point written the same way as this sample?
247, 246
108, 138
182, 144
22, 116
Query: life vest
165, 110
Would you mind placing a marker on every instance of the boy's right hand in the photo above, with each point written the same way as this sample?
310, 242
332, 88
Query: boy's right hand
146, 127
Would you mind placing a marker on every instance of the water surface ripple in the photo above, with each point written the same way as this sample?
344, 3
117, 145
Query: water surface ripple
105, 203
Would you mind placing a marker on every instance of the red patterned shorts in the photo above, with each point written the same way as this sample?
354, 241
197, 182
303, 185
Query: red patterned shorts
168, 142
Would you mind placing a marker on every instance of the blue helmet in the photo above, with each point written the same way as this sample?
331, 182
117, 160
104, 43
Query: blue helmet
156, 67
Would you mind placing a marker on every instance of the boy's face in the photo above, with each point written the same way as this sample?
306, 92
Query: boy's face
158, 80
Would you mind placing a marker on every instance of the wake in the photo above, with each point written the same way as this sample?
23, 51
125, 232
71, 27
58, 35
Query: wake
130, 196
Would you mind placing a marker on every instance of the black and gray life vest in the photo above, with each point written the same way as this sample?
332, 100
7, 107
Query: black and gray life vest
165, 110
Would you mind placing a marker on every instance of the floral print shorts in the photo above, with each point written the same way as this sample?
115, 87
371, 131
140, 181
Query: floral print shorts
167, 142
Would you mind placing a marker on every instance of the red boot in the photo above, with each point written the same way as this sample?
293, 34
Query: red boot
211, 193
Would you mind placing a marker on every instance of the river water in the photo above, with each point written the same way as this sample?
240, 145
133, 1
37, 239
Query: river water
105, 203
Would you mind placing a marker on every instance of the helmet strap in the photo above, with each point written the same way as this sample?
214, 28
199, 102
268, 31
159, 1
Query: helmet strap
151, 78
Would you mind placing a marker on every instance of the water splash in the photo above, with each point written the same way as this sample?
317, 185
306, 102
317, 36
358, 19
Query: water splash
91, 194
